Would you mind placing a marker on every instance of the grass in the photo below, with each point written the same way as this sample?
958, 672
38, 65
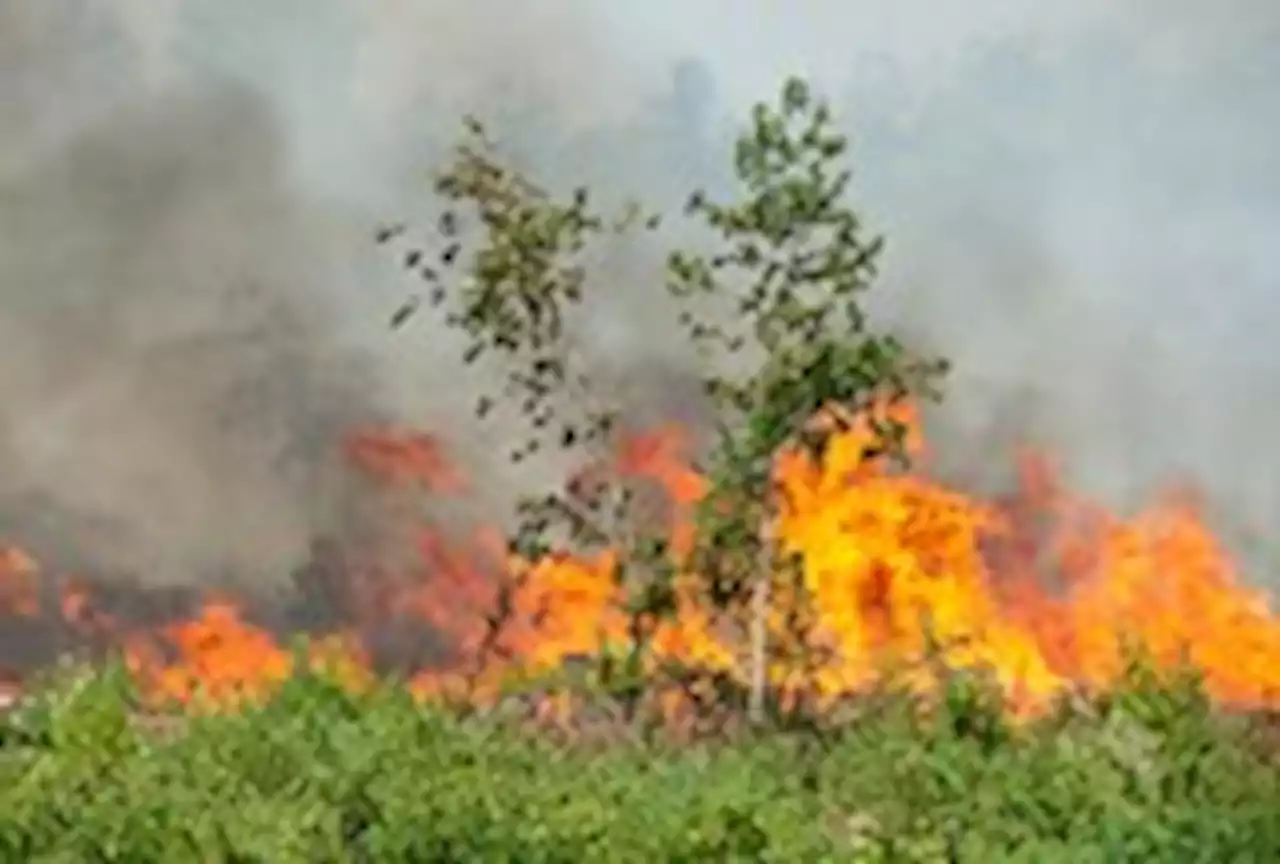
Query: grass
318, 774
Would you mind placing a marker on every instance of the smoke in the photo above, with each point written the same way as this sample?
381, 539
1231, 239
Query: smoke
1078, 203
171, 373
193, 312
1084, 227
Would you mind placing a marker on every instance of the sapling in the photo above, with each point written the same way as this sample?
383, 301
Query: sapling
778, 314
509, 274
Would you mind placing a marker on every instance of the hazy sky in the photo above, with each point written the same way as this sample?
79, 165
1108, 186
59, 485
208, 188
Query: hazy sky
1081, 201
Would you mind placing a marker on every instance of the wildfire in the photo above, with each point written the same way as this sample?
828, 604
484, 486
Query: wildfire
893, 564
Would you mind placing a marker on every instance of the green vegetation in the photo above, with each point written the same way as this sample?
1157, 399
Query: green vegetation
317, 774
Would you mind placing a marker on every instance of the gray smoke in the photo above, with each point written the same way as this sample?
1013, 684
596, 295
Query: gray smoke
193, 310
1079, 203
172, 376
1086, 228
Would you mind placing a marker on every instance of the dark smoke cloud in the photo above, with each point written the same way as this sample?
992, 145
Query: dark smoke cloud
172, 380
1078, 201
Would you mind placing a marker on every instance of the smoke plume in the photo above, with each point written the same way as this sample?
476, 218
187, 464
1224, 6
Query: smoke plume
1078, 203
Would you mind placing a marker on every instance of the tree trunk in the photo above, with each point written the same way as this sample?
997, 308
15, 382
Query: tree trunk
759, 635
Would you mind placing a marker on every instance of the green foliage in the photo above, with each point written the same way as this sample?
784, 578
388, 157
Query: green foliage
520, 274
788, 285
317, 774
519, 253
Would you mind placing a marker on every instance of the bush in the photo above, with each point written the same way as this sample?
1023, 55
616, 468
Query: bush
319, 774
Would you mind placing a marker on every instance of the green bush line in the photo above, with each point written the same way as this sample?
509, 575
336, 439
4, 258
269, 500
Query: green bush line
318, 774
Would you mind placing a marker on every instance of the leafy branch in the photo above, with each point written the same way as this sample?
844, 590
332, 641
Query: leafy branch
519, 282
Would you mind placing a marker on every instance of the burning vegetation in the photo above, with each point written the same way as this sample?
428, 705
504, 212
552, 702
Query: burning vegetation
891, 562
810, 556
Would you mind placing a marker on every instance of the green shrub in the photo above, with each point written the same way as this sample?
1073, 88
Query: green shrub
317, 774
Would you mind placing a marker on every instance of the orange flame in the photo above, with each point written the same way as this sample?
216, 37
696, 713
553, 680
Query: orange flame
893, 565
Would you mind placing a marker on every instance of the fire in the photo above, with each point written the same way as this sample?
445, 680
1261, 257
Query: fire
221, 657
1045, 589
